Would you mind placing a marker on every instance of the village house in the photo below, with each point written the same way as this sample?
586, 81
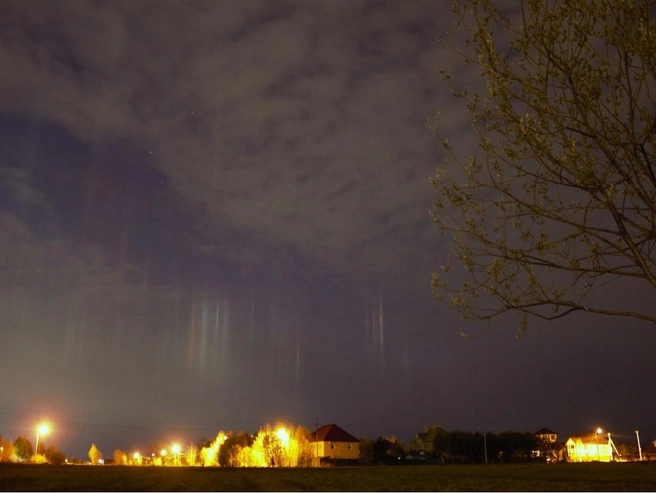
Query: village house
545, 435
589, 448
549, 449
332, 444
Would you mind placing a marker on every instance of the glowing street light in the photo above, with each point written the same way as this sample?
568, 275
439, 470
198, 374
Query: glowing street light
42, 429
597, 433
282, 434
175, 448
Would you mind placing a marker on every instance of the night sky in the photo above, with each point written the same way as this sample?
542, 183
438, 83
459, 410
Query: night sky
215, 215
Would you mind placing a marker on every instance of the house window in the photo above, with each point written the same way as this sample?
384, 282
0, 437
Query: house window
332, 445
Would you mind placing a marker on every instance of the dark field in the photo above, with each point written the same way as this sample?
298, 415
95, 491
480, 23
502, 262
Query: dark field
557, 477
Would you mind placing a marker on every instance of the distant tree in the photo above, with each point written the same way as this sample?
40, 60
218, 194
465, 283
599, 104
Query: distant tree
95, 456
228, 450
54, 456
560, 199
385, 448
628, 451
191, 454
460, 446
434, 435
22, 448
516, 446
367, 451
233, 445
120, 458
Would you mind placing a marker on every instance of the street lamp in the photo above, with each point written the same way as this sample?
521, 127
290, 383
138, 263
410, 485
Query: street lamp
42, 429
175, 448
283, 436
597, 433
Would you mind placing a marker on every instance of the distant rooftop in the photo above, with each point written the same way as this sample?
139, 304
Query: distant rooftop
333, 433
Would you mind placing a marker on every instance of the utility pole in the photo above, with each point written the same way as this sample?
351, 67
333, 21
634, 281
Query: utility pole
316, 440
485, 445
639, 449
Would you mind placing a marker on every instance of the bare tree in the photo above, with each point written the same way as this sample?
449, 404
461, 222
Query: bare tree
559, 200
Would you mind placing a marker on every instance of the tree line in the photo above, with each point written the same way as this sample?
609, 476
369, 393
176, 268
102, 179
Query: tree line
21, 450
457, 447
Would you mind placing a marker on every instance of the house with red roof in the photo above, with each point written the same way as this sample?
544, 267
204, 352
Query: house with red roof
330, 443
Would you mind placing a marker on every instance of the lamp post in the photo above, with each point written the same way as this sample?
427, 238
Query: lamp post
597, 433
639, 449
42, 429
175, 448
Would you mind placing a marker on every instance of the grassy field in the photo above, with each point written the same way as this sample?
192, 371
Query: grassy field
557, 477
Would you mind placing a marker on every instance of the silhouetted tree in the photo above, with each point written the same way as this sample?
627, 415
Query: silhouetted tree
559, 199
54, 455
23, 448
367, 451
386, 449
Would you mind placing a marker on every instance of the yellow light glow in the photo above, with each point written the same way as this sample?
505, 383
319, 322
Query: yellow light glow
599, 431
136, 456
282, 434
43, 429
163, 452
175, 448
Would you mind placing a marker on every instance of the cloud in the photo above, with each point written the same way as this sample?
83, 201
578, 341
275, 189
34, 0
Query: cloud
297, 123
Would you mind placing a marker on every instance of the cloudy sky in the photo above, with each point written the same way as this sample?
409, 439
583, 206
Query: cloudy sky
215, 215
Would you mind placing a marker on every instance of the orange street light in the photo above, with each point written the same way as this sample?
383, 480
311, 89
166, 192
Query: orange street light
42, 429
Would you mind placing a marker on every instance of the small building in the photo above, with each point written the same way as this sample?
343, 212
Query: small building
549, 450
589, 448
332, 444
545, 435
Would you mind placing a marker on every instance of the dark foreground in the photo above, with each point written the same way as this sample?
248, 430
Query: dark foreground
557, 477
